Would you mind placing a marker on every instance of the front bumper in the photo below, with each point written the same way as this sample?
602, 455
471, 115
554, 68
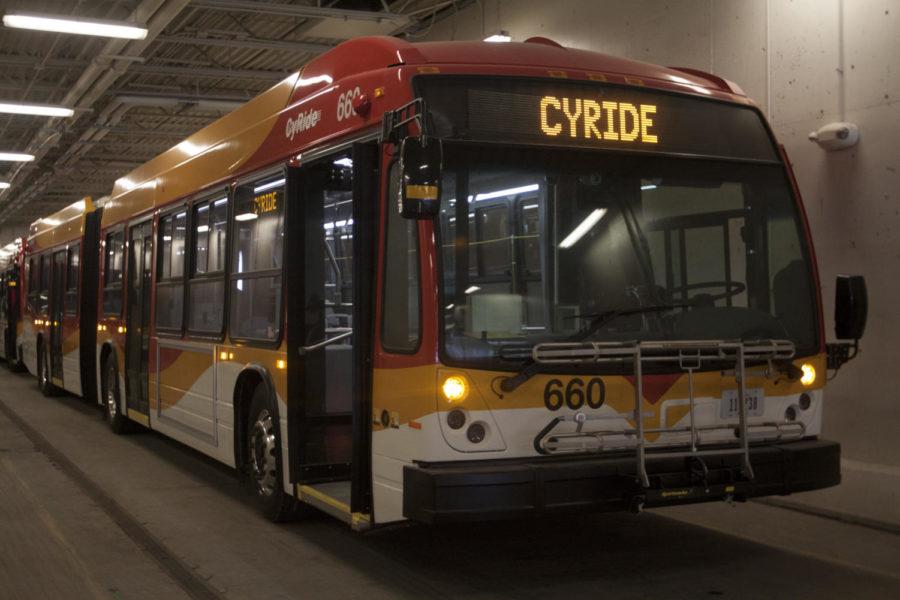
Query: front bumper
472, 491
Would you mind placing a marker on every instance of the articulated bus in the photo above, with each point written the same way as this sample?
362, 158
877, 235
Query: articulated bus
458, 281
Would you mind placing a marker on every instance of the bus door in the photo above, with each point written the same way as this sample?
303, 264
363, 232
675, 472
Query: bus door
57, 298
332, 225
137, 318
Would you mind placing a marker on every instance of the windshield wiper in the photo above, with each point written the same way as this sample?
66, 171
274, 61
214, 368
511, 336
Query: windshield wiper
597, 321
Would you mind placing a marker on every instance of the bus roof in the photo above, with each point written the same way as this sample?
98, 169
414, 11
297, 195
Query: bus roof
62, 226
257, 133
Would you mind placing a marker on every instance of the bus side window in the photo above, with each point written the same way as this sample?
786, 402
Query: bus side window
256, 261
401, 330
72, 275
206, 287
112, 273
170, 272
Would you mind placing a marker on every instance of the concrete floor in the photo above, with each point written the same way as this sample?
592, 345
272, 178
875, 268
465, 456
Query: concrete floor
87, 514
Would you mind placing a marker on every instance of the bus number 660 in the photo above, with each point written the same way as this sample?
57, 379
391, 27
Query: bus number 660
574, 394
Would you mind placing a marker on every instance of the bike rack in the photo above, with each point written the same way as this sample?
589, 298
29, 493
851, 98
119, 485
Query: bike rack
689, 356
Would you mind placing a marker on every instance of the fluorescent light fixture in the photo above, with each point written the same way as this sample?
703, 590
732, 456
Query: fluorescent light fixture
344, 162
648, 187
530, 206
499, 37
61, 24
16, 157
40, 110
472, 289
202, 228
583, 228
4, 185
220, 201
167, 238
268, 186
509, 192
245, 217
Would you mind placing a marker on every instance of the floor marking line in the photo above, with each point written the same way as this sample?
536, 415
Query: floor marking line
180, 573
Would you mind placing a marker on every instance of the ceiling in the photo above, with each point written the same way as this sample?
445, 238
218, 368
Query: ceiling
135, 99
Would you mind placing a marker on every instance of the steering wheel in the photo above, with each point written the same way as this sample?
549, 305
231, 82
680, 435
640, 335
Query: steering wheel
731, 288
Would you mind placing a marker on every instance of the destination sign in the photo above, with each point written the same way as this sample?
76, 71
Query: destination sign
591, 115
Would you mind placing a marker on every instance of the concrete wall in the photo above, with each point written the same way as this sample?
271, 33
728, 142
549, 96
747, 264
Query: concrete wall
786, 54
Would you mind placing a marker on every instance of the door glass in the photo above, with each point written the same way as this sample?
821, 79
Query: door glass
140, 252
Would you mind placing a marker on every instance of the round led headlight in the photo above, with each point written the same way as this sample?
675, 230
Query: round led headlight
455, 388
809, 374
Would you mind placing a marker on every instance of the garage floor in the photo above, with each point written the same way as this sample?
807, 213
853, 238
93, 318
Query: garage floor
87, 514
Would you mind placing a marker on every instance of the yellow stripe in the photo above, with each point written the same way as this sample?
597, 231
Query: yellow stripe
139, 417
305, 490
422, 192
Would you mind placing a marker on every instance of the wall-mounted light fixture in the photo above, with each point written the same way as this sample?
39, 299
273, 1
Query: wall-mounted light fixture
836, 136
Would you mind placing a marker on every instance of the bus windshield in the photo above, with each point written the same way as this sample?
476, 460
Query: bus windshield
659, 247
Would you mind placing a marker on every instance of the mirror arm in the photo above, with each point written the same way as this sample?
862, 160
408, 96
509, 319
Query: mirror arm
838, 353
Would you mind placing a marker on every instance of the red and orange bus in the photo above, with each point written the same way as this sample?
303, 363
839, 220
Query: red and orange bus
456, 281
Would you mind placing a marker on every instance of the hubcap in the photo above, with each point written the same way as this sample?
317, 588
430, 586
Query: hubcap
111, 405
263, 468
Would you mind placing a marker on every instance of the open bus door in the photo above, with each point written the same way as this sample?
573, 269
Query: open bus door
137, 320
332, 223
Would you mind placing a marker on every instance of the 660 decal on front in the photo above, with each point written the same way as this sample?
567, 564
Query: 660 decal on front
574, 394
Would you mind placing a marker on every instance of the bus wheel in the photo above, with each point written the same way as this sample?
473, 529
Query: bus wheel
118, 422
44, 382
263, 445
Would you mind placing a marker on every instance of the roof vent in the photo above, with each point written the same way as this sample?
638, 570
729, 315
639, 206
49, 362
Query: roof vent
544, 41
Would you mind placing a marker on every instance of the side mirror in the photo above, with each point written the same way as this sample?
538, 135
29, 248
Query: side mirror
851, 307
421, 161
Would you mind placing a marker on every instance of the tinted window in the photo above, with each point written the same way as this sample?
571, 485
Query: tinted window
256, 260
170, 271
206, 288
73, 273
112, 273
401, 282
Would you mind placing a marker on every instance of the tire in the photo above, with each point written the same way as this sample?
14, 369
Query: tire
44, 381
262, 444
117, 422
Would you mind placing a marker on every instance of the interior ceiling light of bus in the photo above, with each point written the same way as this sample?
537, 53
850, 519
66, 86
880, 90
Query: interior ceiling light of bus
582, 228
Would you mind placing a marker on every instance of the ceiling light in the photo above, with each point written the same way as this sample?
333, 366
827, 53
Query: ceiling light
115, 29
43, 110
583, 228
16, 157
508, 192
500, 36
268, 186
4, 185
472, 289
245, 217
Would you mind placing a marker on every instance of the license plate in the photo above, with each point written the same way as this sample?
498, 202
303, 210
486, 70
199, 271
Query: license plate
753, 397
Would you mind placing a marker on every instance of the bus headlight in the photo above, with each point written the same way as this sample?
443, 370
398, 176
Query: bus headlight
809, 374
455, 388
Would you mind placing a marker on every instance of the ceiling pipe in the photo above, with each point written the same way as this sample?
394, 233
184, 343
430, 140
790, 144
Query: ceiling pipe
306, 12
261, 44
96, 79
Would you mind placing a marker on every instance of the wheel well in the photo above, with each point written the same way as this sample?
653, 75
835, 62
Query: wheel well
243, 395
